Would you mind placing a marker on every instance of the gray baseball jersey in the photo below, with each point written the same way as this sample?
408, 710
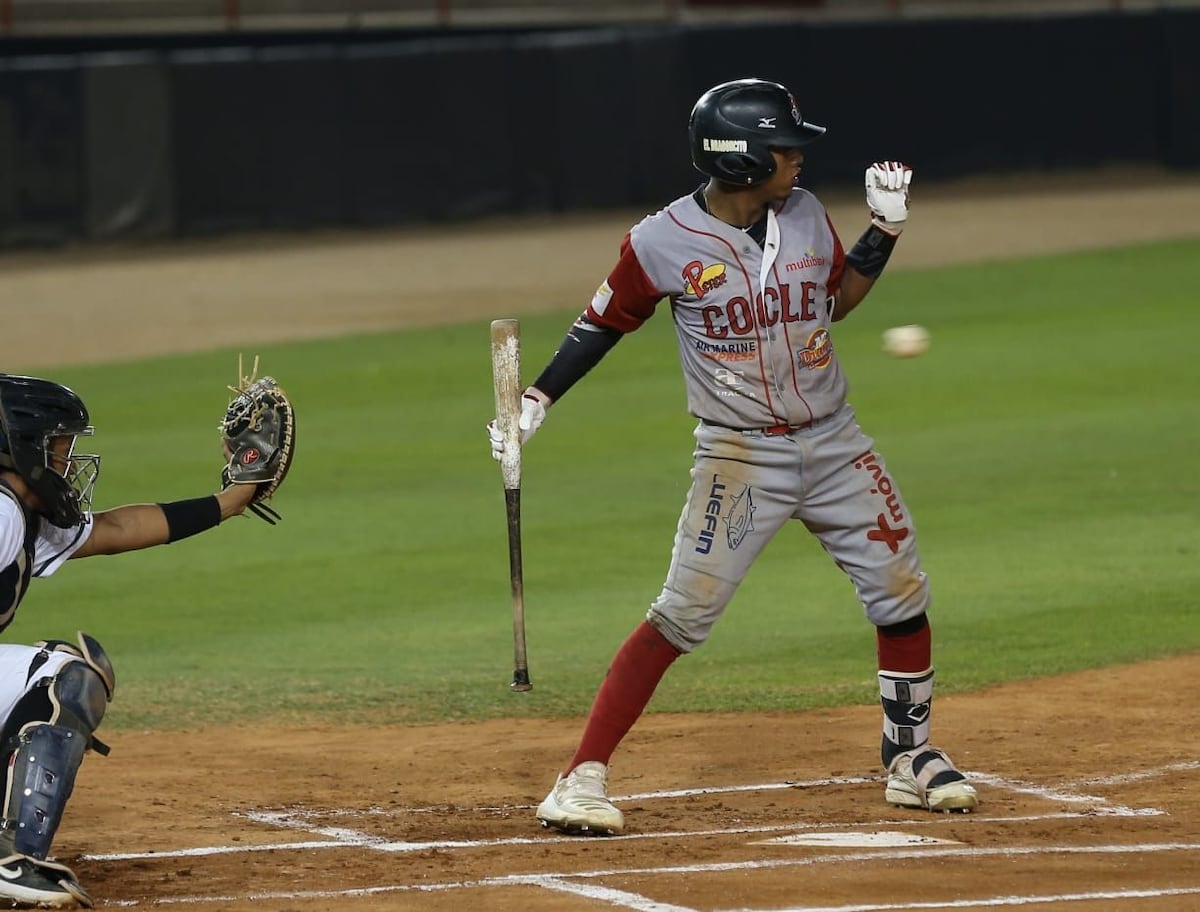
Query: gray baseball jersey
777, 439
753, 323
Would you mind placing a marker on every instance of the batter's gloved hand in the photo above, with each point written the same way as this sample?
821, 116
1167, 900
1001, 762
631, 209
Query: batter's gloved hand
887, 195
533, 413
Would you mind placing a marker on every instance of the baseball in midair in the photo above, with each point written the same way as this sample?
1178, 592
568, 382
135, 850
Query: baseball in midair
906, 341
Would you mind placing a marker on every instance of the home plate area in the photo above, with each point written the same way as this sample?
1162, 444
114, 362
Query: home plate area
822, 845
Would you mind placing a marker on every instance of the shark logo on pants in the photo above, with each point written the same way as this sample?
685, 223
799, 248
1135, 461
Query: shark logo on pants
740, 520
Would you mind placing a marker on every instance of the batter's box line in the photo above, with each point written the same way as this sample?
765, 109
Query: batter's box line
643, 904
342, 837
1059, 794
1140, 775
353, 839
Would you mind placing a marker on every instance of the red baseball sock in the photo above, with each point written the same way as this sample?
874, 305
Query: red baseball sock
909, 653
632, 677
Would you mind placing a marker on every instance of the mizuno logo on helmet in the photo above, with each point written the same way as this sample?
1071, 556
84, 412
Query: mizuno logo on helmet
767, 123
724, 145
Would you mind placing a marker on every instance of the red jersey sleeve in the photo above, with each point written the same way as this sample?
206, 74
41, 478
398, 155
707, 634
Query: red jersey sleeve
627, 298
838, 266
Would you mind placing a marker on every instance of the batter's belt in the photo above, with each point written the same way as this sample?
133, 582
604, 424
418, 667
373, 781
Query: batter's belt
775, 430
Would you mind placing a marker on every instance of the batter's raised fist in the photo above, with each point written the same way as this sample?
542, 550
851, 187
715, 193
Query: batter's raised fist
887, 194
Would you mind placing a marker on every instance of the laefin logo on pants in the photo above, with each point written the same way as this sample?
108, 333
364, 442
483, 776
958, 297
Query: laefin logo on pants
712, 512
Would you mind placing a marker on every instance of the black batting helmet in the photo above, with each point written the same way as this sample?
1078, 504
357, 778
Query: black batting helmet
32, 412
735, 125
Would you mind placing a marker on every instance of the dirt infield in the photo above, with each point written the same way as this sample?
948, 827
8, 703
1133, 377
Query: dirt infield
1090, 788
1090, 784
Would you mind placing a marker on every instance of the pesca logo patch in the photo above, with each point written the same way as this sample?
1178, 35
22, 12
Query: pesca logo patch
251, 456
890, 533
817, 352
699, 279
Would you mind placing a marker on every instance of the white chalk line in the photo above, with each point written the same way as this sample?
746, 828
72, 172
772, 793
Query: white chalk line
613, 897
995, 901
1124, 778
761, 787
378, 844
342, 837
1066, 792
560, 880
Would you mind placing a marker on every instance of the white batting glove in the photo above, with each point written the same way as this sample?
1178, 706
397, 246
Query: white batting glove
533, 413
887, 195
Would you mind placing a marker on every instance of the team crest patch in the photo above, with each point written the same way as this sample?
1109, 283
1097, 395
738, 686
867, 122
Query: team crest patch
699, 279
817, 352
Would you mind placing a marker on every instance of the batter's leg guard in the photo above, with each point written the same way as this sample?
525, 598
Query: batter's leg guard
919, 776
906, 702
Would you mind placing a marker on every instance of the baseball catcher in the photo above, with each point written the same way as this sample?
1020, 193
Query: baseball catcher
54, 693
259, 436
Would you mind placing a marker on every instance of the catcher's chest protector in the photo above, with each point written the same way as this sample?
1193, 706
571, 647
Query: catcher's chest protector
14, 578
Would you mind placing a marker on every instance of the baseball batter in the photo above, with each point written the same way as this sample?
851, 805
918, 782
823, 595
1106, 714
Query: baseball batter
53, 694
755, 274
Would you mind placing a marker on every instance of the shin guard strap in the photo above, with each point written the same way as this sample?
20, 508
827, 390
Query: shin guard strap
906, 705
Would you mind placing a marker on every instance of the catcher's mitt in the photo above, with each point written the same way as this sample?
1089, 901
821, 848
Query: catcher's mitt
259, 435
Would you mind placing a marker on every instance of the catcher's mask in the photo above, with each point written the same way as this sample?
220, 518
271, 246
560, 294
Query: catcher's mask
735, 125
39, 423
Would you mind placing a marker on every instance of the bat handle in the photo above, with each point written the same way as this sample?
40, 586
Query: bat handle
520, 682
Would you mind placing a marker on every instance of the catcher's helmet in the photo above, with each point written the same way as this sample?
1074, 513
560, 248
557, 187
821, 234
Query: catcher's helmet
32, 412
735, 125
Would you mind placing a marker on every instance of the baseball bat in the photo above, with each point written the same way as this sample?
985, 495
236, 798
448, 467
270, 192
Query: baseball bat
506, 380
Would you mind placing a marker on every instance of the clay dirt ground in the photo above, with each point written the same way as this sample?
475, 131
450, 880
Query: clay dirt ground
1090, 783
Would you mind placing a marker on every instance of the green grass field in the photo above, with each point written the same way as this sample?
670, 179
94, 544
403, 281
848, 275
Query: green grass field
1047, 446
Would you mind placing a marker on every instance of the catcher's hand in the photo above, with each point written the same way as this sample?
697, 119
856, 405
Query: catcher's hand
258, 434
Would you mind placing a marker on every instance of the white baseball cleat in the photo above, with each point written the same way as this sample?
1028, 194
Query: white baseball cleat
926, 778
579, 804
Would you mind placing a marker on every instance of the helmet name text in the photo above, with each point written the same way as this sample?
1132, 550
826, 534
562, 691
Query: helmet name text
724, 145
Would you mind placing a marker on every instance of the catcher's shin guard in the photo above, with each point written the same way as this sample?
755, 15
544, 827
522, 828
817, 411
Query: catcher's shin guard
41, 776
906, 703
54, 727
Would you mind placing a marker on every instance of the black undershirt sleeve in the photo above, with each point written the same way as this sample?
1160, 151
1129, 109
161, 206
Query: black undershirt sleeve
581, 350
872, 251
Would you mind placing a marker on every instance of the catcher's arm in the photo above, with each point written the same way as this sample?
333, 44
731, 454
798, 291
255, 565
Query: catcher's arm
132, 527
